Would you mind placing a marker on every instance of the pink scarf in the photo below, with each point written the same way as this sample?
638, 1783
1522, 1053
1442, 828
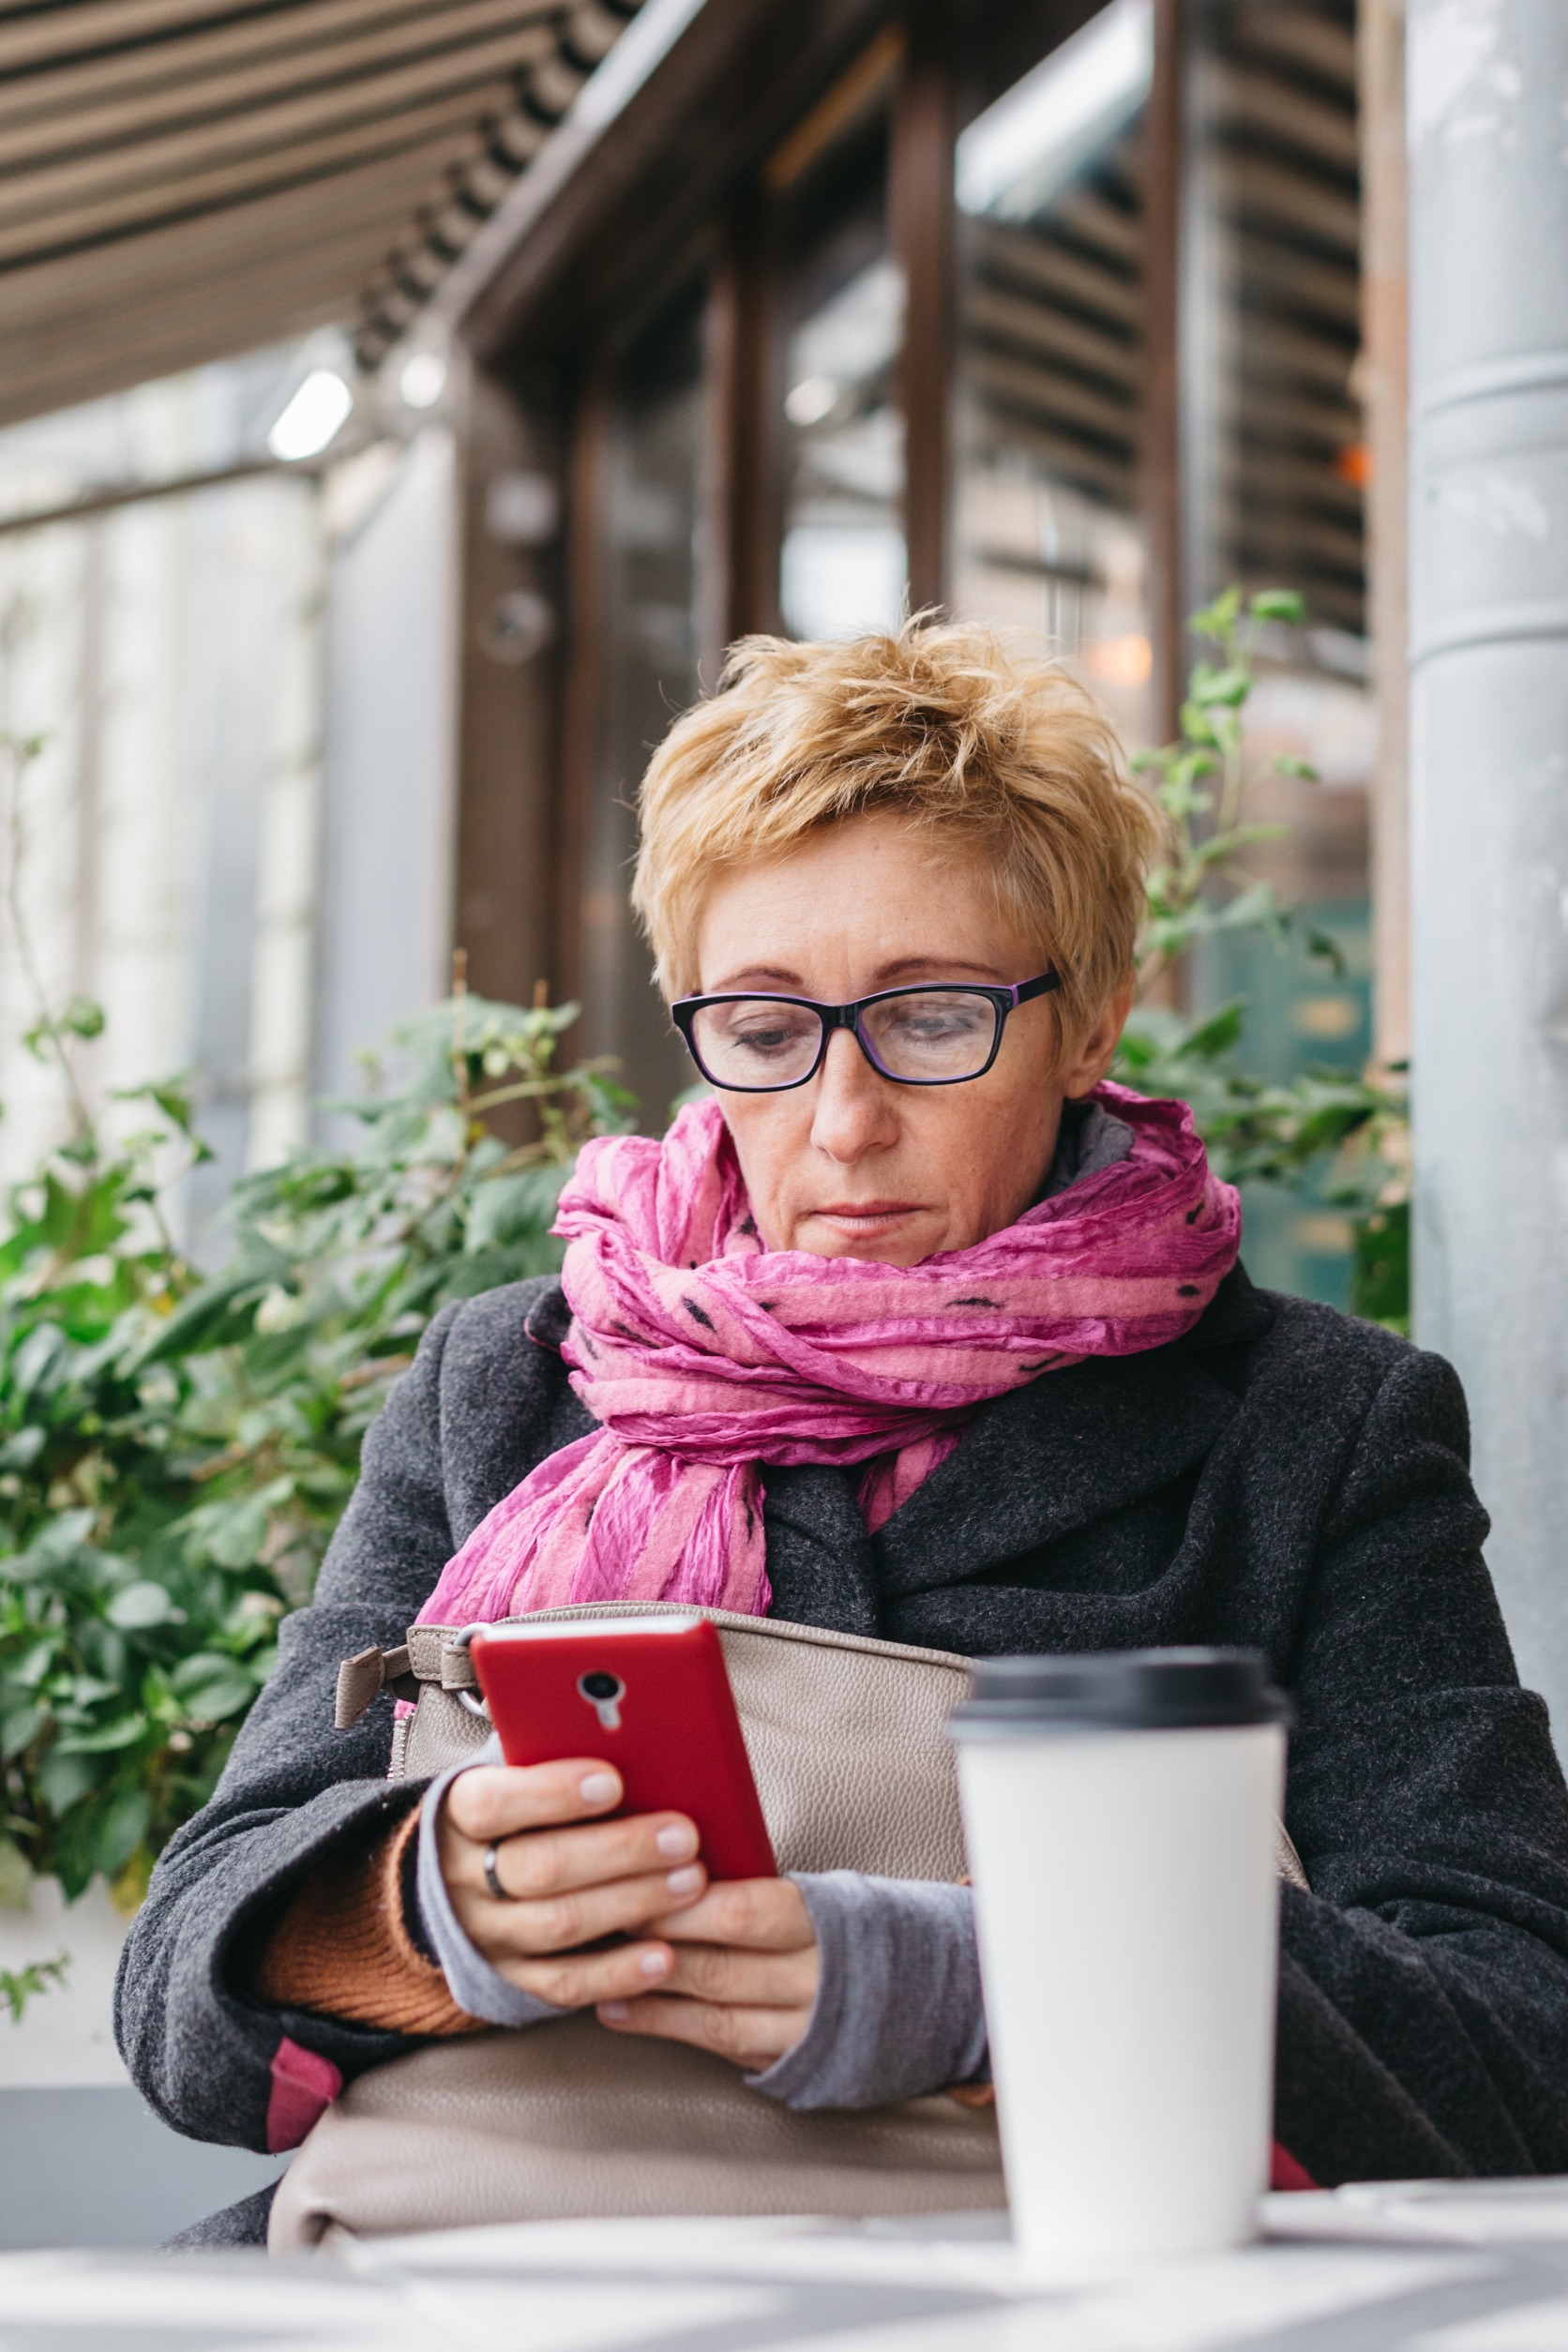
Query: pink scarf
702, 1355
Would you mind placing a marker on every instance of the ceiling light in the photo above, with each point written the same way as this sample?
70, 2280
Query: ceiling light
422, 379
312, 417
1015, 156
808, 401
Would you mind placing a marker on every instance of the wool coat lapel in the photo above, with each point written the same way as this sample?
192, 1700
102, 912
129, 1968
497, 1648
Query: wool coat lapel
1069, 1449
821, 1562
1066, 1451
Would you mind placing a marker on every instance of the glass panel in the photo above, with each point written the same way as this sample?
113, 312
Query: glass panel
1048, 538
648, 660
842, 564
1274, 456
1273, 471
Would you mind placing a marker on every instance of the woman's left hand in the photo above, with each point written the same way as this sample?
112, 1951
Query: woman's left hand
745, 1976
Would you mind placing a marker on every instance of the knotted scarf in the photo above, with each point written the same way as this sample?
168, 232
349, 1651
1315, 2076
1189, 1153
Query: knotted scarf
703, 1355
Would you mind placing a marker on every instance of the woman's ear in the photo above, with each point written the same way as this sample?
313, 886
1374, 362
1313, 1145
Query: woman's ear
1093, 1058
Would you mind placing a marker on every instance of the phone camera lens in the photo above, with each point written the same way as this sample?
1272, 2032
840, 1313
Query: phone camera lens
601, 1686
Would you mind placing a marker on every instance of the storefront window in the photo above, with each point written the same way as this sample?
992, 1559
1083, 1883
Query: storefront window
1273, 470
1048, 181
1273, 460
648, 672
842, 562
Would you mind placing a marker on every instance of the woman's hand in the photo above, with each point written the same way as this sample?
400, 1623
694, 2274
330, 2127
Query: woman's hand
743, 1978
569, 1879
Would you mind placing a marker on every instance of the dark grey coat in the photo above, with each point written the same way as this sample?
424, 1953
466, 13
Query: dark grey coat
1284, 1478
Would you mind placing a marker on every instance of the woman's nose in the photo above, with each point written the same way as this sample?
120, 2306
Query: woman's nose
854, 1112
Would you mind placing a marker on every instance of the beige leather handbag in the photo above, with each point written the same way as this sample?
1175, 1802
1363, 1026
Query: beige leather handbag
846, 1736
846, 1740
855, 1770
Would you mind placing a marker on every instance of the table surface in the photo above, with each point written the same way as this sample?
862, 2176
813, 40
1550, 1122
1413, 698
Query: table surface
1387, 2267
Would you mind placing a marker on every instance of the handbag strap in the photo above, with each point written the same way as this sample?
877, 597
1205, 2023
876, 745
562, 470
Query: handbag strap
362, 1679
438, 1655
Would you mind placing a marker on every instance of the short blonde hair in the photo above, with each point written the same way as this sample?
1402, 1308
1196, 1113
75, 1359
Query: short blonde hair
988, 750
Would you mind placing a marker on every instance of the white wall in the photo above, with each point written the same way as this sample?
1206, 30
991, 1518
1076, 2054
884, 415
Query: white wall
385, 923
170, 652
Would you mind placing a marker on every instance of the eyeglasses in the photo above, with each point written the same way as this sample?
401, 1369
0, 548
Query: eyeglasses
936, 1034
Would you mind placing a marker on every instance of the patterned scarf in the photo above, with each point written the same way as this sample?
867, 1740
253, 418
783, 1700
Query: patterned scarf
703, 1355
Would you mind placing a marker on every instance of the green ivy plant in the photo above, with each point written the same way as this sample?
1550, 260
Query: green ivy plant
18, 1987
1256, 1128
175, 1452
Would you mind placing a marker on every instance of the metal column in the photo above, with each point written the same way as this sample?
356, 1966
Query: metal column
1489, 137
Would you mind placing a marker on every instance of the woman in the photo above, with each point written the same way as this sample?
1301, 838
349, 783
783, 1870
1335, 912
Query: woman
914, 1328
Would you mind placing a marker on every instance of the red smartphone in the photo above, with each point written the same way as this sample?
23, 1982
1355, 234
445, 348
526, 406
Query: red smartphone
651, 1696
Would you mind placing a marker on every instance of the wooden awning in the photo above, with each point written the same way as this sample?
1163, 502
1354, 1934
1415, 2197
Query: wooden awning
185, 179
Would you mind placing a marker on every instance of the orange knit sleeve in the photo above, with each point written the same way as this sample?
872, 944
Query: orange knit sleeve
343, 1949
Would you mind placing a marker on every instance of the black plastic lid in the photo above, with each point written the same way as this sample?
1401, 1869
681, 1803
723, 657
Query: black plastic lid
1116, 1690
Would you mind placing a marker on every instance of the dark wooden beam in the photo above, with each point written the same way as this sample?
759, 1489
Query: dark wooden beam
738, 573
921, 220
580, 684
506, 707
1161, 434
729, 89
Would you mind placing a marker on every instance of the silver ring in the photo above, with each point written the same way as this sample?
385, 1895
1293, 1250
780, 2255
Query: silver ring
492, 1878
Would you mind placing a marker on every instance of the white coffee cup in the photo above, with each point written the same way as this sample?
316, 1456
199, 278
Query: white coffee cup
1120, 1812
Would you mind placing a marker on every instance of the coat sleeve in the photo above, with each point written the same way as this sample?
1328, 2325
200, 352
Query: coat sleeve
201, 2048
1424, 1983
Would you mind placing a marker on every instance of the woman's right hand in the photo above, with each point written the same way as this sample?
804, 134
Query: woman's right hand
569, 1877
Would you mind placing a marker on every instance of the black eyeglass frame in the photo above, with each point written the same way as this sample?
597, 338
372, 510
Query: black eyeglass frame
684, 1010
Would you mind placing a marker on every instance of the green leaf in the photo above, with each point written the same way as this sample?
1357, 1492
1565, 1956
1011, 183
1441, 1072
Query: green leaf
215, 1316
38, 1359
1380, 1266
233, 1534
1221, 1033
1197, 725
1216, 620
81, 1017
121, 1827
59, 1541
1279, 604
18, 1987
1212, 689
20, 1726
125, 1732
16, 1876
137, 1606
64, 1779
512, 1209
224, 1695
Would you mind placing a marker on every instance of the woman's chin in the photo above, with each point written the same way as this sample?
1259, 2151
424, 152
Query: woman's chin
904, 1244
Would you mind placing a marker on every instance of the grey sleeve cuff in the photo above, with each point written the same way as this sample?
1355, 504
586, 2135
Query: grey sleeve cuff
899, 2010
472, 1984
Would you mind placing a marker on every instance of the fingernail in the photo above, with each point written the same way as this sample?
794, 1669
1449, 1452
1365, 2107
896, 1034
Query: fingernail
596, 1788
684, 1881
676, 1839
653, 1964
617, 2011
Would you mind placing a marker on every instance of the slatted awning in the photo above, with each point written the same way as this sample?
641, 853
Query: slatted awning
185, 179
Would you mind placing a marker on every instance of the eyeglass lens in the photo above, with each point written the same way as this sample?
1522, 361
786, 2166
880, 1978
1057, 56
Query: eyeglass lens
759, 1042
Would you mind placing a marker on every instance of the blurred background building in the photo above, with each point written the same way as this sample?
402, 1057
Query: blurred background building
402, 406
420, 401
